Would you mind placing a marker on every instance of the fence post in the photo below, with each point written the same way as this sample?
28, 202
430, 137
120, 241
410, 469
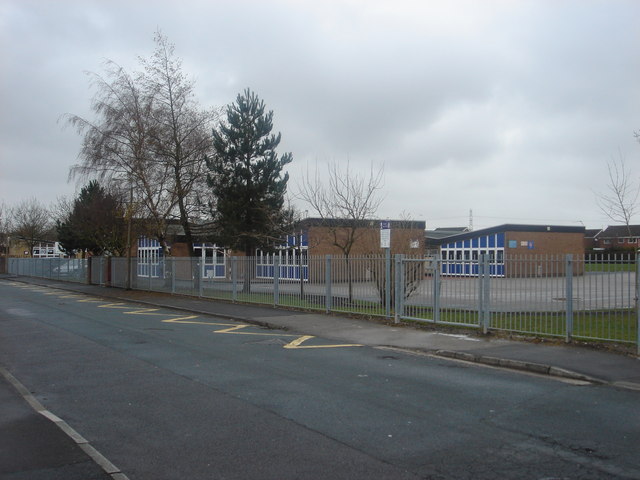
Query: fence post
437, 265
387, 282
638, 302
130, 271
200, 279
234, 278
399, 289
485, 293
173, 274
276, 281
568, 266
327, 283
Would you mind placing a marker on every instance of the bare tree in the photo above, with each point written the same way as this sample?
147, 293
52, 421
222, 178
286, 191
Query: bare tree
181, 134
344, 202
149, 138
31, 222
620, 200
61, 209
407, 239
116, 148
5, 228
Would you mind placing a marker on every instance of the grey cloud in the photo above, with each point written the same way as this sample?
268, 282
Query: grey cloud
452, 97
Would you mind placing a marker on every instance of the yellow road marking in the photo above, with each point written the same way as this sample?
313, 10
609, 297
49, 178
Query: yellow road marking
297, 343
233, 331
119, 305
148, 311
188, 320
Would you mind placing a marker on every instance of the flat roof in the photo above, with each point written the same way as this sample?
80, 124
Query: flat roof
368, 223
510, 227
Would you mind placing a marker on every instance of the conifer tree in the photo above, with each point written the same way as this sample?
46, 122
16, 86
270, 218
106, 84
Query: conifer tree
246, 177
96, 223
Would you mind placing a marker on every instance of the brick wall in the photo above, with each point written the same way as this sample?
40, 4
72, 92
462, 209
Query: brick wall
367, 241
407, 241
542, 253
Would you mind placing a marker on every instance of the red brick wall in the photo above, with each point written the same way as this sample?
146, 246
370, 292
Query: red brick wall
547, 257
367, 242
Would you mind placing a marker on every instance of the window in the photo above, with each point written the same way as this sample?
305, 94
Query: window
213, 260
149, 254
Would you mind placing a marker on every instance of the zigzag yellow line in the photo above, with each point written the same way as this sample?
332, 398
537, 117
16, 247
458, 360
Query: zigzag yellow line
148, 311
118, 305
297, 343
233, 331
188, 320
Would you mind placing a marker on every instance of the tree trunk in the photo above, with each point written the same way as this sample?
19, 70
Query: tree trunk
247, 271
349, 278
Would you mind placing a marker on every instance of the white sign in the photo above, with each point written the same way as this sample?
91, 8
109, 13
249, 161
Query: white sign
385, 234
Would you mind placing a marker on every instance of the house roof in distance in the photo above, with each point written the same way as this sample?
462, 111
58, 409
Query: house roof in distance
616, 231
510, 227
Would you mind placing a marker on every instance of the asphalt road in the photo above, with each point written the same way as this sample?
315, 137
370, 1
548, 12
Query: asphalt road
166, 395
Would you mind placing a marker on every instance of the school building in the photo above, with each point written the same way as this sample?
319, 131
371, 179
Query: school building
508, 248
312, 237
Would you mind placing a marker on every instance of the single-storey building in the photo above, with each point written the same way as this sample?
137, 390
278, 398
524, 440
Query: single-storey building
513, 250
433, 238
318, 237
312, 237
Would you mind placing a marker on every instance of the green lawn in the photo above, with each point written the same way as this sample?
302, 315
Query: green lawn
615, 325
609, 267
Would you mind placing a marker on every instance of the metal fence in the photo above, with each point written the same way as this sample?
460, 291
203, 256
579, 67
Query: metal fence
592, 298
561, 296
63, 269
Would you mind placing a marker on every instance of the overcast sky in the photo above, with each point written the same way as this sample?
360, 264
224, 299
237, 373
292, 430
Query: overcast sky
511, 109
